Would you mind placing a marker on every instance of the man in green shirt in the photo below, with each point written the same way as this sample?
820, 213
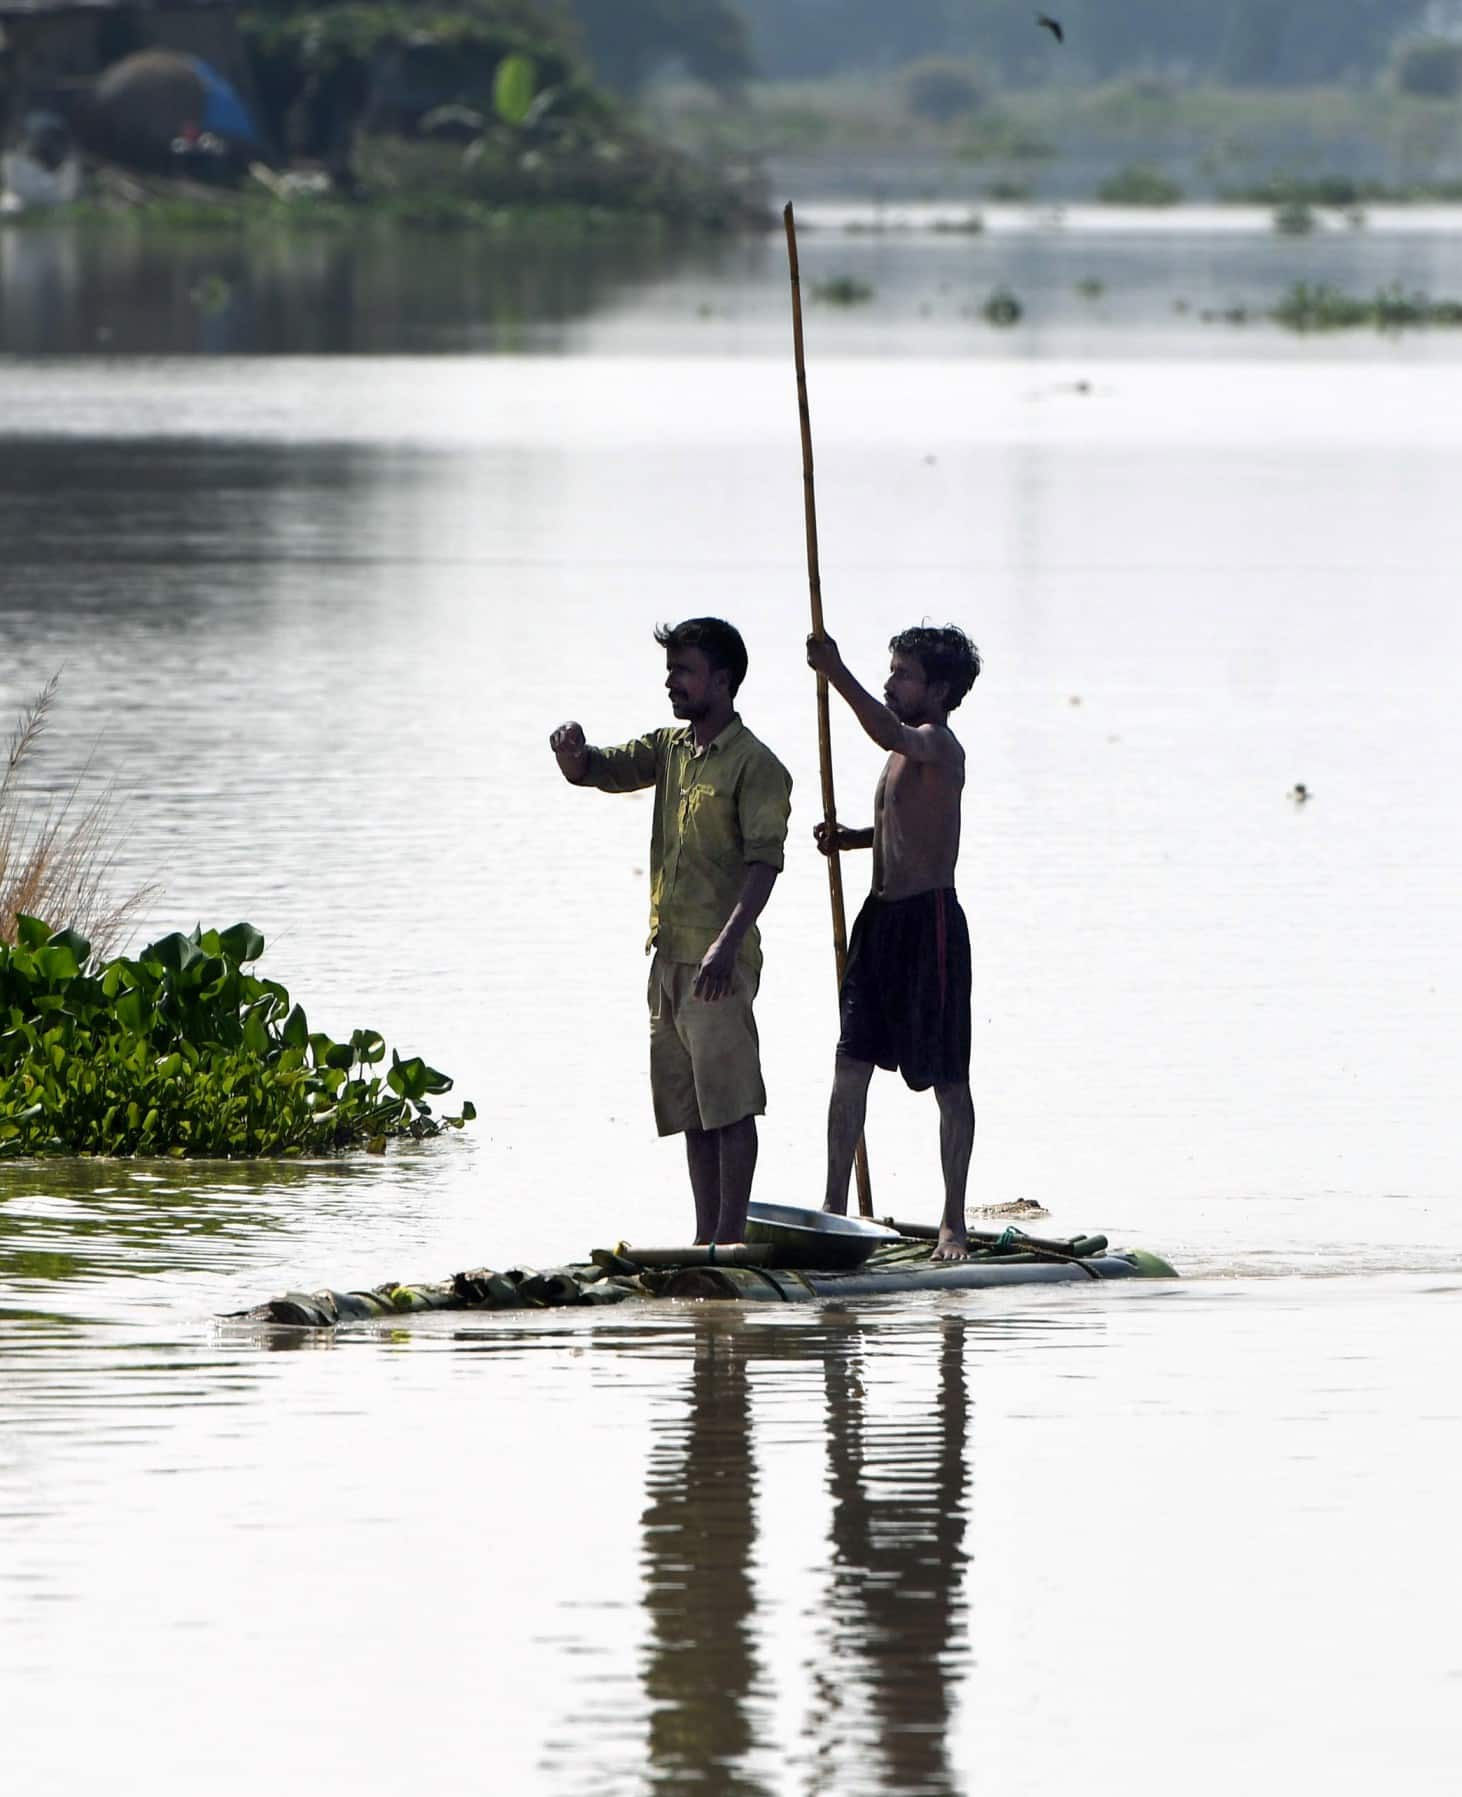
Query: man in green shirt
722, 801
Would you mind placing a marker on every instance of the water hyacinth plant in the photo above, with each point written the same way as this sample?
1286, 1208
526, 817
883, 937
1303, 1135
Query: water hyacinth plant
1317, 307
181, 1051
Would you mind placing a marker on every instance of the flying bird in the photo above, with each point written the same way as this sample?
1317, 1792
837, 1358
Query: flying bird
1047, 23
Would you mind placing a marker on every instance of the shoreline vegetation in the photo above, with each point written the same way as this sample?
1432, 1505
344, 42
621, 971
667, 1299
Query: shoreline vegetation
541, 150
480, 116
180, 1050
405, 187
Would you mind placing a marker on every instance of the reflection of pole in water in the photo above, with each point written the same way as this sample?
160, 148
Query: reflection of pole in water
699, 1532
897, 1487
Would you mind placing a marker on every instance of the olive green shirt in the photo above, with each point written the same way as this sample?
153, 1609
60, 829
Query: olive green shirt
717, 810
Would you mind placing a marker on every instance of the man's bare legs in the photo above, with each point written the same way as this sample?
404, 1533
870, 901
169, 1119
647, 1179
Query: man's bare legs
738, 1164
845, 1113
703, 1158
956, 1141
721, 1162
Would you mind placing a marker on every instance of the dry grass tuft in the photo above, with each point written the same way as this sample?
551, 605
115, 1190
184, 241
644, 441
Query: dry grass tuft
58, 863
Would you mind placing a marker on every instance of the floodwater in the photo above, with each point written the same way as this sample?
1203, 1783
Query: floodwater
317, 611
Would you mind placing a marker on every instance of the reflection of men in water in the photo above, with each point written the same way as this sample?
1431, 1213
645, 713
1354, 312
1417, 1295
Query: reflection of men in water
720, 822
701, 1668
891, 1638
905, 999
899, 1509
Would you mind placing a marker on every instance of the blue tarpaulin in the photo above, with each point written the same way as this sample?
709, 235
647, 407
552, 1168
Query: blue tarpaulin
224, 113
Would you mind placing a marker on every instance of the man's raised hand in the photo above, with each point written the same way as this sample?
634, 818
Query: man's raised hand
572, 752
822, 656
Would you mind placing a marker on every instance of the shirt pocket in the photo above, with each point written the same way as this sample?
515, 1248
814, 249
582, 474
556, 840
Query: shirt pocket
708, 815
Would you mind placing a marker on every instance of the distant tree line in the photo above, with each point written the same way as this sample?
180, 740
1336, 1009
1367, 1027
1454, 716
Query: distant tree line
724, 42
1244, 42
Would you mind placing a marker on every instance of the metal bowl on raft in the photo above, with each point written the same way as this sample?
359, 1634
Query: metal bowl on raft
815, 1238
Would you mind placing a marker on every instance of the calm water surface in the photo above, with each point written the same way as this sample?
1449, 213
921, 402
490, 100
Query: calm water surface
317, 611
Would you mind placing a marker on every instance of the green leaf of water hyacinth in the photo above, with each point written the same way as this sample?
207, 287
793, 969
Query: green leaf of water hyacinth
256, 1036
514, 83
75, 941
240, 943
133, 1012
171, 952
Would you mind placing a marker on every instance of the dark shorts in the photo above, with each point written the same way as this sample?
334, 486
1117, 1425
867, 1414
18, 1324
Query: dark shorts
906, 991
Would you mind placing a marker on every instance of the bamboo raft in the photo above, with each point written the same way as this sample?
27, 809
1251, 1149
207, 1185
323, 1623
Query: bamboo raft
747, 1274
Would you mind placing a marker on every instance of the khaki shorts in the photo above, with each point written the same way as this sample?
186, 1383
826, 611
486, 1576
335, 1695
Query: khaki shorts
705, 1059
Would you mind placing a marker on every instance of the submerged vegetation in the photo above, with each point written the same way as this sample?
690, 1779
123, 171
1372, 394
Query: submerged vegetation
1317, 307
1138, 185
843, 290
1341, 192
181, 1051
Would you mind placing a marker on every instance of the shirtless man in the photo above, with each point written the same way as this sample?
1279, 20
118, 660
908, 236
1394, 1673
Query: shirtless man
905, 999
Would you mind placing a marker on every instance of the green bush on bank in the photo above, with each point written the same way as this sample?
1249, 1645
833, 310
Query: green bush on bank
180, 1051
515, 120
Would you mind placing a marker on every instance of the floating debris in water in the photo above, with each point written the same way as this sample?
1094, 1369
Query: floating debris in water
1294, 219
1017, 1207
1003, 308
843, 290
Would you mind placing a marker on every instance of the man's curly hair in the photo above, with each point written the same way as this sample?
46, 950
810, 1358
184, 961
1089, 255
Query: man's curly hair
945, 654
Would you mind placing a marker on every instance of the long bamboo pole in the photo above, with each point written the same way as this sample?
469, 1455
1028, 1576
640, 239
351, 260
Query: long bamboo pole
824, 721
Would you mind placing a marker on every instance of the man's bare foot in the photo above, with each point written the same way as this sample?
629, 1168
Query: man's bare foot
951, 1246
